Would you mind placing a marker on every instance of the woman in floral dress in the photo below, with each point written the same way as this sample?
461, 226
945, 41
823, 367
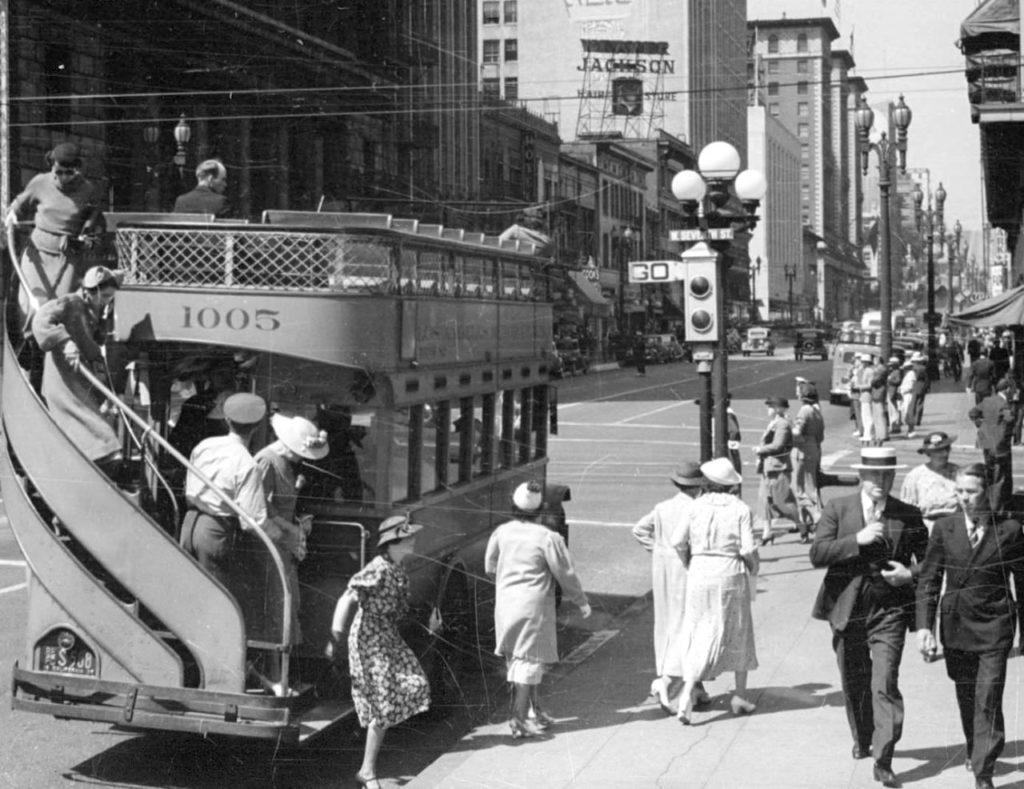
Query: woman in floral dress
931, 487
388, 682
716, 539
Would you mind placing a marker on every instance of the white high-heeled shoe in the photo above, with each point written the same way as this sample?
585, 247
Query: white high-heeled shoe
741, 706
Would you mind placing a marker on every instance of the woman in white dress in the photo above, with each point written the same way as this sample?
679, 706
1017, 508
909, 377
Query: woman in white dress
668, 576
716, 538
526, 558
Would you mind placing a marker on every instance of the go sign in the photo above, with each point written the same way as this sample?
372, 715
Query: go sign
646, 271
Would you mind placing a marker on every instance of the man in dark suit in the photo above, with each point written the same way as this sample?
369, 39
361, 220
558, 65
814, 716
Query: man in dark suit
994, 418
981, 377
977, 553
868, 542
208, 196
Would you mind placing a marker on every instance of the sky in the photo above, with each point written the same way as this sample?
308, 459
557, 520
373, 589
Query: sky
908, 47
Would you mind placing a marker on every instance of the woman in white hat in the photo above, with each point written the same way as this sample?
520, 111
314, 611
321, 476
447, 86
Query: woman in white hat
389, 685
279, 463
526, 558
716, 538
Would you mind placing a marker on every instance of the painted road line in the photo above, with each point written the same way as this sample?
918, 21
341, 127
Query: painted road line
14, 588
834, 457
680, 425
12, 563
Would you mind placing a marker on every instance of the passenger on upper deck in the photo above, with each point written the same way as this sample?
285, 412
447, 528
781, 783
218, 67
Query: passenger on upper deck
208, 196
67, 221
68, 329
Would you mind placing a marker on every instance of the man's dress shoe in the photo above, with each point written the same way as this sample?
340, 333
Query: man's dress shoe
983, 783
885, 776
861, 752
968, 766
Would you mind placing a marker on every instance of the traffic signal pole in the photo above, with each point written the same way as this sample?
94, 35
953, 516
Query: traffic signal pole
721, 366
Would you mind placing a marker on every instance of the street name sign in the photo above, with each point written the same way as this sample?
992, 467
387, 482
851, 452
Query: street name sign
697, 234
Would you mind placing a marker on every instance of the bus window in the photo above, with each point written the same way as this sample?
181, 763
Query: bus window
407, 270
363, 264
413, 452
430, 269
466, 449
488, 279
509, 281
526, 282
472, 275
511, 420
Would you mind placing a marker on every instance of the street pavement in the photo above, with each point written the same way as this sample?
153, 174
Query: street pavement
609, 734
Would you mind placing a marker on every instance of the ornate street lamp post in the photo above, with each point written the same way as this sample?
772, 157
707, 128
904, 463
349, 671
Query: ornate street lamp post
755, 269
954, 255
625, 248
934, 227
864, 118
704, 197
789, 269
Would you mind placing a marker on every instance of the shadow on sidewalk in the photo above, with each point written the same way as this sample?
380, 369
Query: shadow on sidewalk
951, 757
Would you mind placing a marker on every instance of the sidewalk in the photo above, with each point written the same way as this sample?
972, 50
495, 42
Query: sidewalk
609, 735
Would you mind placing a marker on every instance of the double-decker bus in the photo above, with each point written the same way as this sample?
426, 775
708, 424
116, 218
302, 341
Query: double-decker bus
424, 351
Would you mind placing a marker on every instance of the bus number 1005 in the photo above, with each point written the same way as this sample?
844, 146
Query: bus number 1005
236, 319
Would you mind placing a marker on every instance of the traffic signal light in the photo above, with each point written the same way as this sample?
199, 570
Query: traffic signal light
702, 321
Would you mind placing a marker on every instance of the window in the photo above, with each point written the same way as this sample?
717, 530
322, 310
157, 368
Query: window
773, 44
803, 130
801, 42
801, 88
773, 88
491, 50
801, 66
511, 88
492, 87
511, 49
803, 109
511, 11
773, 67
491, 12
773, 109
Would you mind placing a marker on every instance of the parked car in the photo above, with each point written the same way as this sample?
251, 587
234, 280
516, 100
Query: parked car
661, 348
572, 360
810, 342
759, 339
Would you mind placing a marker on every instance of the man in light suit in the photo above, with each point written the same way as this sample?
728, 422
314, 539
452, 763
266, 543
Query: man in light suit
994, 418
978, 554
775, 496
868, 542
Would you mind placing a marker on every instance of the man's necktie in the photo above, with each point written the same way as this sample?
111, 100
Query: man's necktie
974, 534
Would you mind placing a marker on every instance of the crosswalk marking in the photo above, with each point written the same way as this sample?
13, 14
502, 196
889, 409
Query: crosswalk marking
12, 563
14, 588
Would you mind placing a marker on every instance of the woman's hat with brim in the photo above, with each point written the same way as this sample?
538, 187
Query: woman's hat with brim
300, 436
877, 459
935, 441
395, 528
777, 402
721, 472
528, 497
810, 394
687, 475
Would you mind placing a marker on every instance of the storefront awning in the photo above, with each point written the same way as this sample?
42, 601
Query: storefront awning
595, 302
993, 16
1006, 309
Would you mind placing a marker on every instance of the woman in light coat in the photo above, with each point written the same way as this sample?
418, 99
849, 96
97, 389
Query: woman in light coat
526, 558
668, 576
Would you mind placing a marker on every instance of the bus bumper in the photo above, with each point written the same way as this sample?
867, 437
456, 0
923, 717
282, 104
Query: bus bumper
132, 706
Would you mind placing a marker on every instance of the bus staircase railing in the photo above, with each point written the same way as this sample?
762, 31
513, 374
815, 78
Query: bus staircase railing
112, 530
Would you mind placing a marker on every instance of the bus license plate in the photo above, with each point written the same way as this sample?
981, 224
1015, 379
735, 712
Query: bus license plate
67, 656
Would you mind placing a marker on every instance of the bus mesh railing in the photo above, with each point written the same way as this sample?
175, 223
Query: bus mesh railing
279, 260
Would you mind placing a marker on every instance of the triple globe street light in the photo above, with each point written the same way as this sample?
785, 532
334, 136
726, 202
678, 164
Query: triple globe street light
705, 196
899, 117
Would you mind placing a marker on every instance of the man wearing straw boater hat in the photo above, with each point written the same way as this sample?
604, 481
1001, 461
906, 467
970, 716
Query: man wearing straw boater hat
868, 542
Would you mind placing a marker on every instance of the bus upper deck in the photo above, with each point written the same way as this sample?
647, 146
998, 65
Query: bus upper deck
425, 354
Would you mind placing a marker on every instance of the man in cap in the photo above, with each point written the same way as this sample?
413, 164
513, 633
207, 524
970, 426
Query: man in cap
774, 496
864, 377
70, 330
212, 532
208, 195
973, 551
981, 376
808, 434
994, 419
868, 542
894, 376
668, 576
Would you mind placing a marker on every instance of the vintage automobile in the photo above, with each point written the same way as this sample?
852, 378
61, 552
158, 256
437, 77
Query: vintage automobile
810, 342
661, 348
759, 339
